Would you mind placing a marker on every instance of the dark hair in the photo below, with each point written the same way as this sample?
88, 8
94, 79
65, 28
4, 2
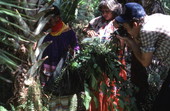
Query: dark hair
113, 5
140, 21
55, 11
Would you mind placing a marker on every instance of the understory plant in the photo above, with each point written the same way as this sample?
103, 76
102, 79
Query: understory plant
96, 59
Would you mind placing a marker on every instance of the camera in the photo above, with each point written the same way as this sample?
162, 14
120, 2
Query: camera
120, 31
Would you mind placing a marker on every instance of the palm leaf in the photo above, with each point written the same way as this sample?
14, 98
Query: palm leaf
3, 20
5, 3
6, 80
32, 71
5, 60
13, 34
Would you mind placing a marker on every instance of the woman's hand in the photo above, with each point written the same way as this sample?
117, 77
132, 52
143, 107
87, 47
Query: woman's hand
92, 33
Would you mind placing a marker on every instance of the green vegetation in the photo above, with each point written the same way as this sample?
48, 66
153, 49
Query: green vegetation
20, 27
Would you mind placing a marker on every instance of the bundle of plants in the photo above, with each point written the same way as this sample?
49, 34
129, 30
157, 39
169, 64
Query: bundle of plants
99, 65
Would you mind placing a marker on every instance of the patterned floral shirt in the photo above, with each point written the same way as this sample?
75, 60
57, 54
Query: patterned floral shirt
102, 27
155, 37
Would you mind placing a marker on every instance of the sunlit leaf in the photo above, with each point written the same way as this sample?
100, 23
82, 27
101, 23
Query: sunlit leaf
87, 97
35, 67
2, 108
42, 22
40, 49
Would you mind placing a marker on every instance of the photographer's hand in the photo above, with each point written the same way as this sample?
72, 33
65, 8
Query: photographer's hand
144, 57
127, 40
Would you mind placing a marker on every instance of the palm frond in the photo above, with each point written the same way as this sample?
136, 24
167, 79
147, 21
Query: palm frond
5, 3
3, 20
13, 34
4, 59
6, 80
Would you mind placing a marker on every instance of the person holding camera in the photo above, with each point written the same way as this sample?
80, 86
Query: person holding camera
148, 38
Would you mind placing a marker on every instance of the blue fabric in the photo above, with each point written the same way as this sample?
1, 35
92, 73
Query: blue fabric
131, 11
59, 46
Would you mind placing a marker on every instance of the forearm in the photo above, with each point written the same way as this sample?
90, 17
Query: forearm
90, 31
135, 48
143, 58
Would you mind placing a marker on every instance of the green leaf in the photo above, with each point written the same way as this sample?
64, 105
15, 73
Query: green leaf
7, 61
94, 82
103, 87
87, 98
6, 80
95, 99
73, 103
2, 108
13, 24
13, 34
34, 68
37, 55
12, 5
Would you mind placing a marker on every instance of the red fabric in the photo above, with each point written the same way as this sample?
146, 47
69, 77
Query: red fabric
57, 27
106, 101
122, 73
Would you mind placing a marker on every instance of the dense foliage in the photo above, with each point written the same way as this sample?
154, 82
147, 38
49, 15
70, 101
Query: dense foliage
94, 61
21, 22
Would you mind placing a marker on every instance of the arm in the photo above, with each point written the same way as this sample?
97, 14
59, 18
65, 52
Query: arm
73, 43
144, 58
93, 24
90, 32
